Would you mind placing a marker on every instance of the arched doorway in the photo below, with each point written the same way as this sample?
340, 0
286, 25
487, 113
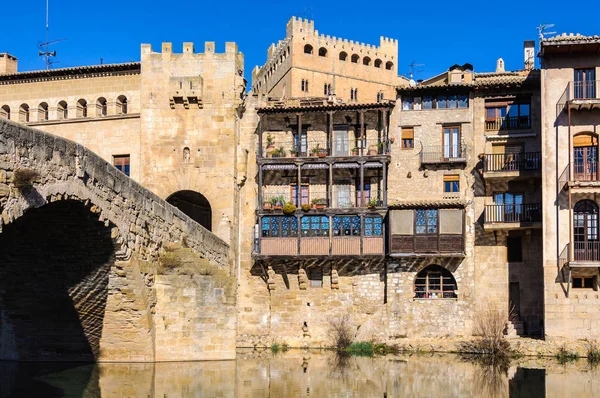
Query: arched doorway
195, 205
585, 157
585, 231
54, 283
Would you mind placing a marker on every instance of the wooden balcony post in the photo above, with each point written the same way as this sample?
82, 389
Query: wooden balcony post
384, 188
260, 185
299, 186
362, 228
330, 133
361, 118
385, 129
260, 136
330, 186
299, 132
299, 217
362, 184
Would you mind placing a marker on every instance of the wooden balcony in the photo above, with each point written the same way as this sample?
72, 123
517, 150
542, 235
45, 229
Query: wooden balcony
443, 154
451, 245
580, 95
499, 164
320, 246
284, 150
513, 216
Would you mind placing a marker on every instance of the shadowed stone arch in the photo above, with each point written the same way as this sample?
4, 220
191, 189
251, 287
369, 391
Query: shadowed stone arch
195, 205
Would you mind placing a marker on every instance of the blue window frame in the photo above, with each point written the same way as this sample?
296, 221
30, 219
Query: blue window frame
372, 226
279, 226
426, 222
315, 226
346, 226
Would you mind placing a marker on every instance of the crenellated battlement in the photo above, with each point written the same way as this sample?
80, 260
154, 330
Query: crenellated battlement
188, 49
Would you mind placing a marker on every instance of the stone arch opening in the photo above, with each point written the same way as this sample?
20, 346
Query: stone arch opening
193, 204
54, 272
435, 282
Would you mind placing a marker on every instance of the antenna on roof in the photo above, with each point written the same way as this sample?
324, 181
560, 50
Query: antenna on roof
412, 70
542, 30
44, 48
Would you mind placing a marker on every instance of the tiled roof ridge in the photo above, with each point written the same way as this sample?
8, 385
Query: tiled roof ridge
98, 68
570, 37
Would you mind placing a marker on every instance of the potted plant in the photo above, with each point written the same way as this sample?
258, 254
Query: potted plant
289, 208
270, 142
315, 151
322, 152
277, 202
267, 205
380, 147
305, 207
318, 203
372, 203
293, 152
355, 151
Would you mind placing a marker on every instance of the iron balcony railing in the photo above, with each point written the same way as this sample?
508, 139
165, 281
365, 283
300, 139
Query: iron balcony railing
443, 154
586, 251
508, 123
587, 90
531, 212
499, 162
320, 199
582, 171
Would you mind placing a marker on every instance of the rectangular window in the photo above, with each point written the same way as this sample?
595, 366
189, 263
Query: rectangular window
463, 101
315, 276
407, 103
428, 102
408, 138
417, 103
514, 249
304, 194
586, 282
441, 102
426, 222
121, 162
451, 138
452, 101
372, 226
584, 85
451, 183
279, 226
346, 226
315, 226
365, 193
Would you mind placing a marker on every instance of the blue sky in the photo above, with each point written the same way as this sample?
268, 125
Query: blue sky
437, 34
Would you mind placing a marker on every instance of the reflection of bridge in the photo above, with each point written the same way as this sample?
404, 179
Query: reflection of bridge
79, 248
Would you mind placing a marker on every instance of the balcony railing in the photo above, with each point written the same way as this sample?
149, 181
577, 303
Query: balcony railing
580, 91
319, 199
508, 123
320, 246
517, 213
501, 162
586, 251
320, 148
443, 154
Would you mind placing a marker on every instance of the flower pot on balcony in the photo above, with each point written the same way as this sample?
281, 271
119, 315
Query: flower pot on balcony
267, 206
354, 151
322, 153
372, 150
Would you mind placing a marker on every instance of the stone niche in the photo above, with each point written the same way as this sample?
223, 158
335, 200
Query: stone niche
186, 90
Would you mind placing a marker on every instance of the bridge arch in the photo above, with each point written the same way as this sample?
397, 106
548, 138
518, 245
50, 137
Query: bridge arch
194, 205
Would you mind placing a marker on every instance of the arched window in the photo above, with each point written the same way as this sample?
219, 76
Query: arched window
366, 61
343, 56
186, 155
43, 111
585, 157
585, 231
322, 52
354, 58
378, 63
101, 107
24, 113
308, 49
5, 112
435, 282
389, 65
62, 110
82, 108
122, 105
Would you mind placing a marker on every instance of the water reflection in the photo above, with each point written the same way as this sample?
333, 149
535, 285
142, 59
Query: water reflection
300, 374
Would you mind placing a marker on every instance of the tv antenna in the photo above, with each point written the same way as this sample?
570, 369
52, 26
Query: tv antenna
44, 48
412, 70
542, 30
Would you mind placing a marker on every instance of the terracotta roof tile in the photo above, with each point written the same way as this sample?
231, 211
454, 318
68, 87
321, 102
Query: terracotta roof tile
131, 67
424, 203
571, 38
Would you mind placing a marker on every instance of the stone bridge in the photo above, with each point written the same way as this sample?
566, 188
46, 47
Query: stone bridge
94, 267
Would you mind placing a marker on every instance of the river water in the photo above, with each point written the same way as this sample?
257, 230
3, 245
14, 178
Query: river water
299, 373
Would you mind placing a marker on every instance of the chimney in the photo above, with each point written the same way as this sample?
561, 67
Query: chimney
8, 64
500, 66
529, 50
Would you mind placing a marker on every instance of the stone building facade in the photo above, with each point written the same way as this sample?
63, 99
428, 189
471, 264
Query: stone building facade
571, 118
414, 205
